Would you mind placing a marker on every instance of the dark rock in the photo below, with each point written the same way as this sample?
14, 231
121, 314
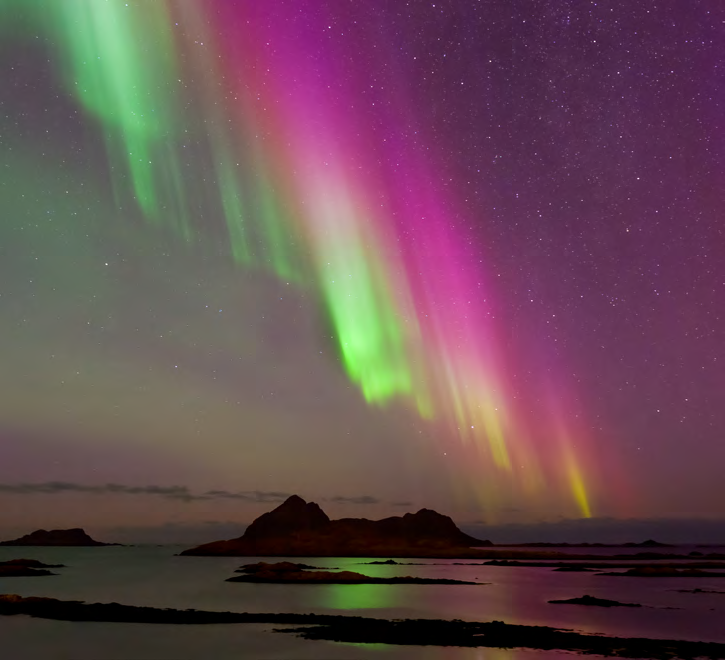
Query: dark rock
497, 634
301, 577
288, 573
649, 543
22, 571
56, 537
665, 571
279, 567
592, 601
610, 563
644, 544
293, 516
29, 563
642, 556
300, 529
25, 568
360, 630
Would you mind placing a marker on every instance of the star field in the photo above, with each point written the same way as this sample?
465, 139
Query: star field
466, 254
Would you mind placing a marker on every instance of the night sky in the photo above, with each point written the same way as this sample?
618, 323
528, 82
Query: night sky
385, 255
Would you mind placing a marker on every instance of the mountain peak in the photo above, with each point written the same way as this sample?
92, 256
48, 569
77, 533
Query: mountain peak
293, 515
292, 500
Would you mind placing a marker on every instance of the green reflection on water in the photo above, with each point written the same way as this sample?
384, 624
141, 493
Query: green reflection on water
359, 596
374, 647
362, 596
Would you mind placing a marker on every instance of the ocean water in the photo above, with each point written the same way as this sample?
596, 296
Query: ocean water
154, 576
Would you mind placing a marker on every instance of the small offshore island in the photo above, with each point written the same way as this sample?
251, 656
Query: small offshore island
26, 568
286, 572
300, 529
75, 537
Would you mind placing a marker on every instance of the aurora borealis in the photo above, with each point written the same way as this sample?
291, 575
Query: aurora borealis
459, 252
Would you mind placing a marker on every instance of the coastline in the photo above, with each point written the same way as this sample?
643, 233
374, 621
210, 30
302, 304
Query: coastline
364, 630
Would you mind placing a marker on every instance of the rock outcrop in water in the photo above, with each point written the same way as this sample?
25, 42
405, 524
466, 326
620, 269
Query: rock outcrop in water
285, 572
649, 543
302, 529
28, 563
360, 630
591, 601
665, 572
25, 568
56, 537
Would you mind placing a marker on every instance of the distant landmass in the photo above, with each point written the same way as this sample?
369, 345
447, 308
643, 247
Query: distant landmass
25, 568
302, 529
62, 537
645, 544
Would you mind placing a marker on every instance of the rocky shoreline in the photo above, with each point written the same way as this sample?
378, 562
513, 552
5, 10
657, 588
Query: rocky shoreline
289, 573
361, 630
26, 568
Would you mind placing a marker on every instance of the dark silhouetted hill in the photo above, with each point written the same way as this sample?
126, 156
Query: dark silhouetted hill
65, 537
302, 529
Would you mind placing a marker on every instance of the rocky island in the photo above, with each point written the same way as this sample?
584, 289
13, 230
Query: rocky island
56, 537
302, 529
666, 572
591, 601
288, 573
25, 568
649, 543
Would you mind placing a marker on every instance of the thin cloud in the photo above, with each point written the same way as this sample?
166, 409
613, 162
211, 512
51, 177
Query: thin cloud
360, 499
182, 493
247, 496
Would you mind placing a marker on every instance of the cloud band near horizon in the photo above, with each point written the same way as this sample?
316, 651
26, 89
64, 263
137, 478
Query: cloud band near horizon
174, 492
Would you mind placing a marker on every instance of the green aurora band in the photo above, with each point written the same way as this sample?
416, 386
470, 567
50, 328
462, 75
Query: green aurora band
152, 77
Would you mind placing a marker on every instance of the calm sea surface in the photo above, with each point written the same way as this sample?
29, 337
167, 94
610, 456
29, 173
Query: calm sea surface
153, 576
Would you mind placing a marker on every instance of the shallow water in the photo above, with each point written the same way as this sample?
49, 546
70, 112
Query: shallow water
153, 576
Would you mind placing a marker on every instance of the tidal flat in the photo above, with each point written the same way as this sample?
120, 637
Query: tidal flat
688, 609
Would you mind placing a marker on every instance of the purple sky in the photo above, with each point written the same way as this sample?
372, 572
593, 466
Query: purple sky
583, 144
